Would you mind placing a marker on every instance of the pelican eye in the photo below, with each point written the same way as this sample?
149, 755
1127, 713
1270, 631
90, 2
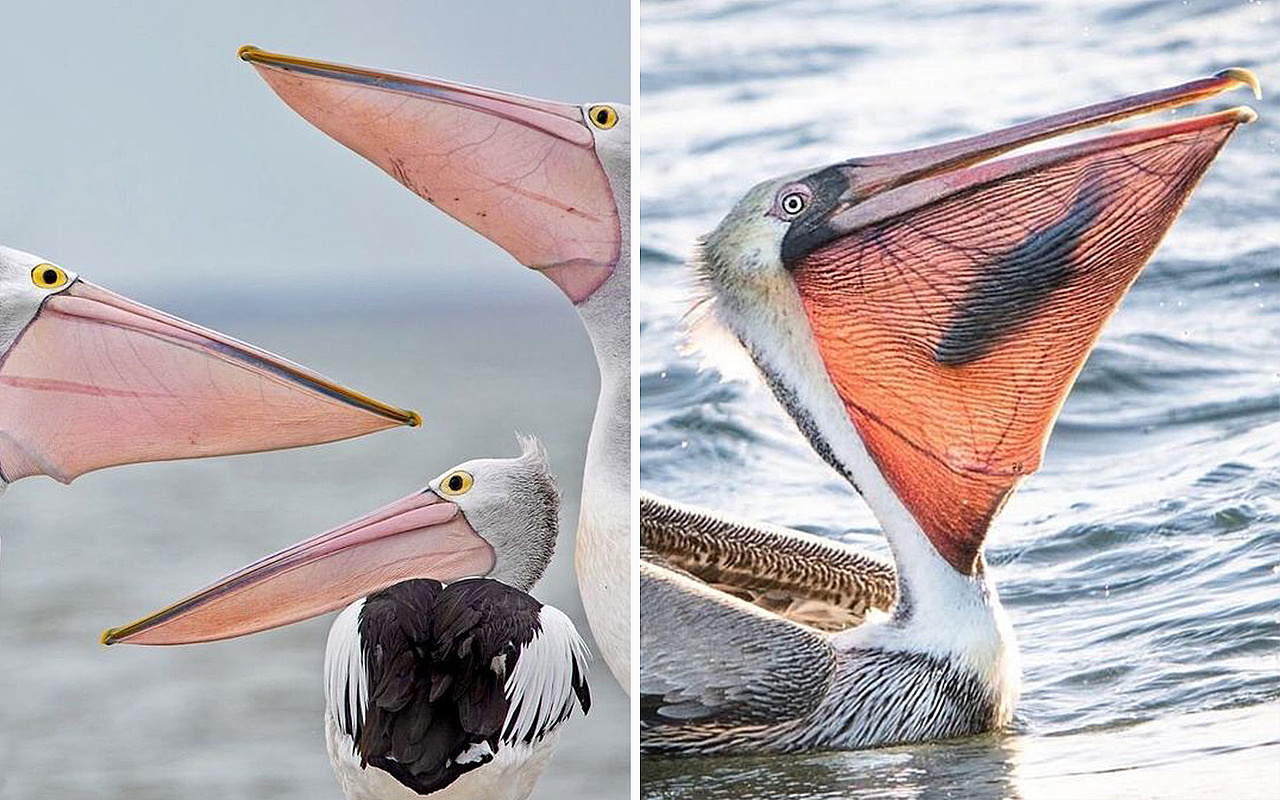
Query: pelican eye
793, 203
48, 276
457, 482
603, 117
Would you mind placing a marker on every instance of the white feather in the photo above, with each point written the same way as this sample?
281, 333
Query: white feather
540, 688
346, 685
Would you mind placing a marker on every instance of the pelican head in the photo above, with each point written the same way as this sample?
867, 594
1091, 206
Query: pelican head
513, 505
90, 379
548, 182
495, 518
934, 306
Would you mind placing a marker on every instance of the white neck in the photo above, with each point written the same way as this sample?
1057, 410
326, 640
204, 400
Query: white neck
607, 317
603, 551
938, 603
939, 611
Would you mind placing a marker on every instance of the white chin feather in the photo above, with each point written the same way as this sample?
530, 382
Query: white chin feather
709, 340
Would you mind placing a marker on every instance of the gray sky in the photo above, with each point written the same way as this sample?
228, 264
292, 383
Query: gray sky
135, 147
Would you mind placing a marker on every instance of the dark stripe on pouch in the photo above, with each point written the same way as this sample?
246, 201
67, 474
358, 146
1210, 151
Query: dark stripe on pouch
1016, 286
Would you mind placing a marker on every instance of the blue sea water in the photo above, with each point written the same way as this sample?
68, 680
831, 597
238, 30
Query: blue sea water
1141, 565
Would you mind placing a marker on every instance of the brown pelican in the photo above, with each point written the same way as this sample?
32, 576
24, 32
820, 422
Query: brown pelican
444, 677
921, 316
90, 379
551, 184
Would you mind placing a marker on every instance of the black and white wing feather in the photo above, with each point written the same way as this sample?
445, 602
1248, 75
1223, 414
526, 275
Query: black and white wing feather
435, 679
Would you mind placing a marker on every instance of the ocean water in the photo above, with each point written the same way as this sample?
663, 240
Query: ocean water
244, 719
1141, 565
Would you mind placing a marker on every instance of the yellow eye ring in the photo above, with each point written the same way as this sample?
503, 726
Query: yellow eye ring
456, 483
48, 276
603, 117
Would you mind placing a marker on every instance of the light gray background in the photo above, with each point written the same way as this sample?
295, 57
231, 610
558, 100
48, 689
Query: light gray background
136, 149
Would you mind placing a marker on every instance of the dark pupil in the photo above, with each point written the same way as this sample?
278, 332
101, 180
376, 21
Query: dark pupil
49, 276
602, 116
455, 483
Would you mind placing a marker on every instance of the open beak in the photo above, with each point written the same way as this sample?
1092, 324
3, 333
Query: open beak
97, 380
878, 188
953, 298
519, 171
419, 536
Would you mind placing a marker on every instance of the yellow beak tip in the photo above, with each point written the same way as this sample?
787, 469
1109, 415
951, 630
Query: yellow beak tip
1244, 76
248, 52
109, 636
415, 419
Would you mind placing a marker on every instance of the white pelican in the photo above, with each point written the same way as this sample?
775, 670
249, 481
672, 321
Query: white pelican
90, 379
921, 316
444, 677
551, 184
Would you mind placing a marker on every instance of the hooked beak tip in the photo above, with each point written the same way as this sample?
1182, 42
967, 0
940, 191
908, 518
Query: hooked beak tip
1244, 77
249, 52
109, 637
1243, 114
415, 419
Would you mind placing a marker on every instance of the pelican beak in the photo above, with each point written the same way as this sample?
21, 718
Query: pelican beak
953, 299
419, 536
867, 191
519, 171
96, 380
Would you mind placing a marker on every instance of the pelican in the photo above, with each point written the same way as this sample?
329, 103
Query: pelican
444, 677
551, 184
90, 379
921, 316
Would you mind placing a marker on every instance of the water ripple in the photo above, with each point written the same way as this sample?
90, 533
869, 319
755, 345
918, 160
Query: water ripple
1141, 566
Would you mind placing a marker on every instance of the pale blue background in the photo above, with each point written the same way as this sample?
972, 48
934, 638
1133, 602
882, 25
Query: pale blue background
137, 149
135, 146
